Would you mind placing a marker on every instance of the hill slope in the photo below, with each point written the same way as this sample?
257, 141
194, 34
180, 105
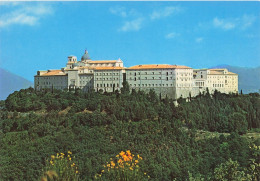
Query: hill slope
248, 78
10, 82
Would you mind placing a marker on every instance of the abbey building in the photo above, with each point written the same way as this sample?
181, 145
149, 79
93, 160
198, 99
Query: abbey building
174, 81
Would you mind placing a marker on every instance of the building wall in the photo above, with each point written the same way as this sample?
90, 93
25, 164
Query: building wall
56, 82
214, 79
173, 83
108, 80
86, 81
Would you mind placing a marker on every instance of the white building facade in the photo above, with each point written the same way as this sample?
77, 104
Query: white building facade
173, 81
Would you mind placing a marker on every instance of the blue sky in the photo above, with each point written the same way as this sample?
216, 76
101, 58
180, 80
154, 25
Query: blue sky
40, 35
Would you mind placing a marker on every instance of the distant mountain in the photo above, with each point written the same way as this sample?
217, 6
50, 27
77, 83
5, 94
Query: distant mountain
248, 78
10, 82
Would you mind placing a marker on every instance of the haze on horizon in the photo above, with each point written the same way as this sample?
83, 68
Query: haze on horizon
40, 35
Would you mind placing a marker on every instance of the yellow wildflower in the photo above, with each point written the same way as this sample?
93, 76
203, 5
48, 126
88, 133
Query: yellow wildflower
69, 152
122, 153
128, 152
112, 164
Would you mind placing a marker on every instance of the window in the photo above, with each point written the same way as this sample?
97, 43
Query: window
153, 78
135, 78
167, 78
145, 78
153, 73
167, 73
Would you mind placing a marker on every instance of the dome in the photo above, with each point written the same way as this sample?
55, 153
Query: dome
85, 56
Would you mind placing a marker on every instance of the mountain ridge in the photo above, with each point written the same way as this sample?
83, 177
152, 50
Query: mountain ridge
10, 82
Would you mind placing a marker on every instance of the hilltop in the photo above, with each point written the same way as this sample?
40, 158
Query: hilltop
174, 142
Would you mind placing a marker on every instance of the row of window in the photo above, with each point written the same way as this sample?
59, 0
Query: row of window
218, 85
107, 85
151, 85
85, 77
53, 78
49, 83
159, 85
107, 73
107, 78
152, 73
159, 78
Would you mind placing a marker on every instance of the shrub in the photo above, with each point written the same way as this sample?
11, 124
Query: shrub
124, 167
61, 168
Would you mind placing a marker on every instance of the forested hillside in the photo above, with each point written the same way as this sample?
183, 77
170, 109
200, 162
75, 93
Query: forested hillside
97, 126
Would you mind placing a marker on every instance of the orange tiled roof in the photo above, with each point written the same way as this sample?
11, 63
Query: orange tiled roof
158, 66
53, 72
108, 68
103, 61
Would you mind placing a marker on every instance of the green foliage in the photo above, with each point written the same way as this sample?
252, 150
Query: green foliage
229, 171
95, 126
62, 168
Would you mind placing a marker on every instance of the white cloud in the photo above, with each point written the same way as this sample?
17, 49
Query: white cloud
172, 35
223, 24
247, 21
9, 3
118, 10
243, 22
25, 15
199, 39
133, 25
167, 11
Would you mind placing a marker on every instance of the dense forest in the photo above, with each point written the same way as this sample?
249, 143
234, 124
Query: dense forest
96, 126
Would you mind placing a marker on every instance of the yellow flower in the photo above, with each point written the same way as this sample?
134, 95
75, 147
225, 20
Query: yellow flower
117, 155
77, 171
144, 173
128, 152
112, 164
102, 171
69, 152
136, 161
138, 156
131, 168
52, 157
69, 159
122, 153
